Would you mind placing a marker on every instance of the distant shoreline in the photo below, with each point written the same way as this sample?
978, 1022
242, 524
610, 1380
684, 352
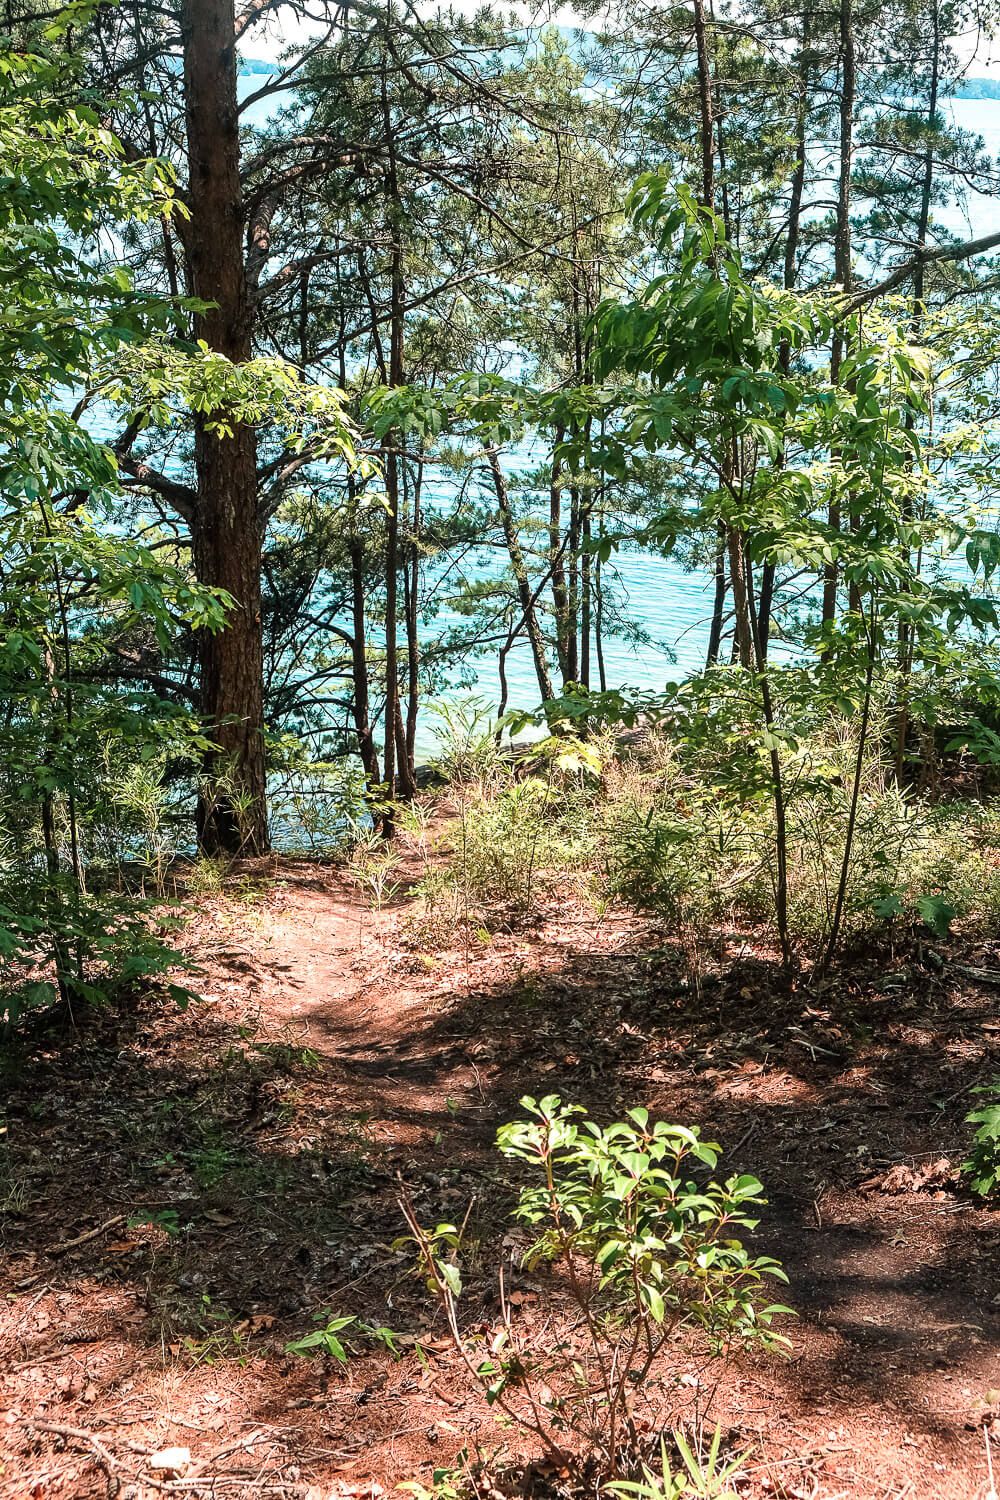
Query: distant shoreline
971, 88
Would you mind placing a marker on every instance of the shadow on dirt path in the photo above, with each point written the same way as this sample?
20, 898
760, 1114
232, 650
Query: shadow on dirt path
183, 1192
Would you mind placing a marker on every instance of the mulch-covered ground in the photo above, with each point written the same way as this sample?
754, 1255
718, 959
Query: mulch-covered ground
180, 1193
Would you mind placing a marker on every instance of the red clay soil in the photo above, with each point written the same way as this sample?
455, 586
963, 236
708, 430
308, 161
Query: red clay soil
180, 1192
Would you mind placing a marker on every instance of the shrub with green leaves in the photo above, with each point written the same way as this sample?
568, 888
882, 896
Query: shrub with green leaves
690, 838
518, 832
981, 1168
644, 1240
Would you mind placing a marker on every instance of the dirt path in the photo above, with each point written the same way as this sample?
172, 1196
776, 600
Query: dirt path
260, 1136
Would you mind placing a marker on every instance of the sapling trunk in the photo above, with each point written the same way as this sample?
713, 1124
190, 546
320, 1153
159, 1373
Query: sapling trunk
777, 793
529, 615
852, 816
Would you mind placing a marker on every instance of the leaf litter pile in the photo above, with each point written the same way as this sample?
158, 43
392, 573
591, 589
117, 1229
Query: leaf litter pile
184, 1195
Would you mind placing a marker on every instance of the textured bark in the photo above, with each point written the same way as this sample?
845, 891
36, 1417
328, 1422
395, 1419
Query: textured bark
413, 623
399, 771
790, 274
226, 537
919, 309
705, 106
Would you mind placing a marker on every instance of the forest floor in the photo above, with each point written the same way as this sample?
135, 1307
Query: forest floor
180, 1192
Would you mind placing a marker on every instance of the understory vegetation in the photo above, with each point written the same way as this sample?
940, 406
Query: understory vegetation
647, 824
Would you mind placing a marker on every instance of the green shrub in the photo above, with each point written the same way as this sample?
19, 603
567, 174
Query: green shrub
981, 1167
701, 854
514, 836
643, 1249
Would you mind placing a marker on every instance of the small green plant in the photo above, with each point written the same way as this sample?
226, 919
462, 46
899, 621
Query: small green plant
373, 868
327, 1340
166, 1219
446, 1484
702, 1477
645, 1251
935, 912
15, 1195
981, 1167
200, 1331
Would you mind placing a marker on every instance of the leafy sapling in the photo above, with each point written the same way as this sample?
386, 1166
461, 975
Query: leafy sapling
644, 1251
981, 1168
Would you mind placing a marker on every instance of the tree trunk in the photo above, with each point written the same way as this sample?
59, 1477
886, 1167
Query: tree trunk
842, 262
520, 571
413, 624
769, 571
923, 224
719, 599
399, 779
359, 667
560, 600
585, 600
705, 106
226, 534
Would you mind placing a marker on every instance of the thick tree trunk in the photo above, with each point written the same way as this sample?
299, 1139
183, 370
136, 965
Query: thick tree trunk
226, 537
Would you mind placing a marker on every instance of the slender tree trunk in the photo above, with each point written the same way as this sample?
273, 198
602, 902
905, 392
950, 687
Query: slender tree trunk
585, 600
412, 622
923, 224
777, 790
730, 541
602, 672
360, 674
398, 775
520, 571
705, 106
742, 601
226, 533
573, 589
789, 278
559, 592
842, 267
798, 182
391, 580
359, 666
719, 600
708, 199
